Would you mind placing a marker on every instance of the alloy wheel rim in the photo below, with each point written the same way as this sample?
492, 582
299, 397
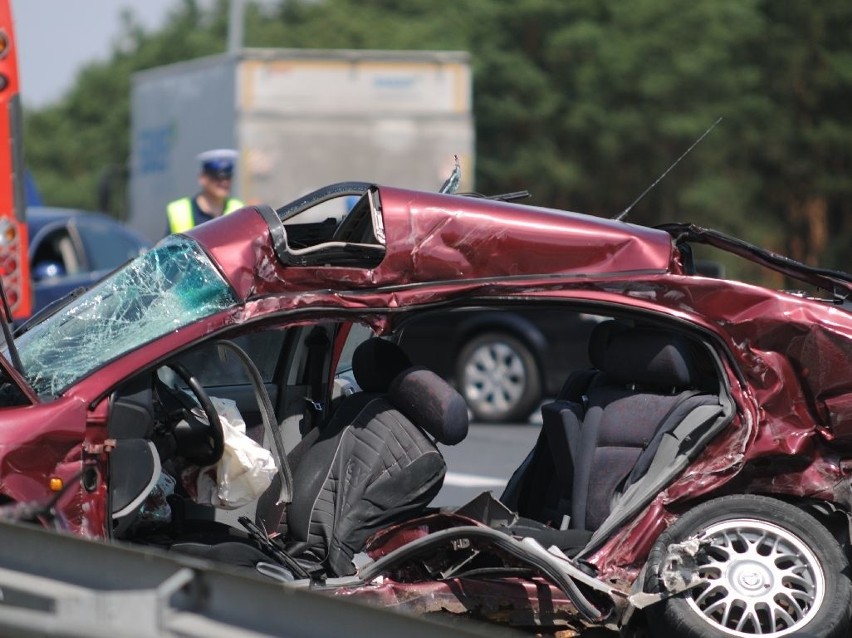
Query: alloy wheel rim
761, 580
494, 378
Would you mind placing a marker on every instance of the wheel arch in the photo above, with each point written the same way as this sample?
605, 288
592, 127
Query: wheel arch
833, 516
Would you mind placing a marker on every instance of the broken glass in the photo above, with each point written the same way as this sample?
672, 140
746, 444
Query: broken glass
163, 290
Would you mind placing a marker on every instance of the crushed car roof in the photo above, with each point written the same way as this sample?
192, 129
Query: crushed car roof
433, 237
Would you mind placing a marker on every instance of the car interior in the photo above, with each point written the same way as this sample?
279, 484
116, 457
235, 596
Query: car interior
617, 433
353, 425
56, 249
356, 440
337, 225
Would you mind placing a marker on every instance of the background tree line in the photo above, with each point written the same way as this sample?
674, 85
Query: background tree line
583, 103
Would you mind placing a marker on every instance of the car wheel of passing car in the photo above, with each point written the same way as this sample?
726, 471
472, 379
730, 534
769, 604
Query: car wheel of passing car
769, 568
499, 378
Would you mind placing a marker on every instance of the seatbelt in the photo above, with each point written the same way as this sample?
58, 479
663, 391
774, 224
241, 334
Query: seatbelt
318, 345
267, 413
667, 424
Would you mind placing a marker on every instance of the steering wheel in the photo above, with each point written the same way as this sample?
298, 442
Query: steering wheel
195, 424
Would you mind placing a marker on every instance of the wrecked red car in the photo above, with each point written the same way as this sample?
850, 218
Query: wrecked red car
695, 478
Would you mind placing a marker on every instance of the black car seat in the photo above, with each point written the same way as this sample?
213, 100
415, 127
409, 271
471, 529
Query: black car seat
375, 462
602, 433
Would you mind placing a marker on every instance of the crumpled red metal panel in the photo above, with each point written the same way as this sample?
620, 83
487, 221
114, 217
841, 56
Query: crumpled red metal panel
433, 237
45, 442
239, 244
789, 371
520, 602
794, 354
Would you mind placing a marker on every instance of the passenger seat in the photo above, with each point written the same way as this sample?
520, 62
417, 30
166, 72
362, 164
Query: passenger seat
601, 434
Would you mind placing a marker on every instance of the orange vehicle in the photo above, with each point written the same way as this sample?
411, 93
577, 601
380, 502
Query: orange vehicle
14, 267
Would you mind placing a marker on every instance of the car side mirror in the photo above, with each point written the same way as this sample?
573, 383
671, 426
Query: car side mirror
47, 270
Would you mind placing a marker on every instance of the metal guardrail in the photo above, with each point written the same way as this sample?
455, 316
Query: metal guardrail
56, 584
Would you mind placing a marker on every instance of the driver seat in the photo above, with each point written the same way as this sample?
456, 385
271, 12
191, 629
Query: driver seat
375, 462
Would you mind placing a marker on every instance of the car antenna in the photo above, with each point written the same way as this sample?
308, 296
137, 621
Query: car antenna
623, 213
451, 184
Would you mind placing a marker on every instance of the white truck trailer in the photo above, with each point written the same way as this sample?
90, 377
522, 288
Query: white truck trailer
300, 119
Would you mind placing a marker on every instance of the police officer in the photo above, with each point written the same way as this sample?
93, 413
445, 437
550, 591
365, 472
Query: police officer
213, 198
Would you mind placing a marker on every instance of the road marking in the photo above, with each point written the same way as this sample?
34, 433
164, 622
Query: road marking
472, 480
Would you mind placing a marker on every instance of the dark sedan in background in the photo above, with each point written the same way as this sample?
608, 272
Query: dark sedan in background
504, 361
72, 248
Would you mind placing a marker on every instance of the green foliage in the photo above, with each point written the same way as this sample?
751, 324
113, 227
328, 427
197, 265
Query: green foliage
72, 147
584, 103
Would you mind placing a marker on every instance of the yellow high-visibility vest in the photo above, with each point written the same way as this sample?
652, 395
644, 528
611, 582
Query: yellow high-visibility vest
179, 213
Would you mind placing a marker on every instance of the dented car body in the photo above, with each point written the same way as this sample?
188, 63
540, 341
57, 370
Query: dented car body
698, 476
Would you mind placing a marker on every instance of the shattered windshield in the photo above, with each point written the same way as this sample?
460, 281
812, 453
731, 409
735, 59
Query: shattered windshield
164, 289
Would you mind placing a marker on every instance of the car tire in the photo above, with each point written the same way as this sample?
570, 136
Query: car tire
772, 570
499, 378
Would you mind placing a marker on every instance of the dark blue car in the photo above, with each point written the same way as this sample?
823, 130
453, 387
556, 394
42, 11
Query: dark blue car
73, 248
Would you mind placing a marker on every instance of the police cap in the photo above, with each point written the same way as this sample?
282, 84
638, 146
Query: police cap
218, 162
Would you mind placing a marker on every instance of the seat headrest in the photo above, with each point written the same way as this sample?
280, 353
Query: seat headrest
376, 362
431, 403
644, 355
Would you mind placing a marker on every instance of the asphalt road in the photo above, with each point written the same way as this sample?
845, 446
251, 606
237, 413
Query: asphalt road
485, 460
